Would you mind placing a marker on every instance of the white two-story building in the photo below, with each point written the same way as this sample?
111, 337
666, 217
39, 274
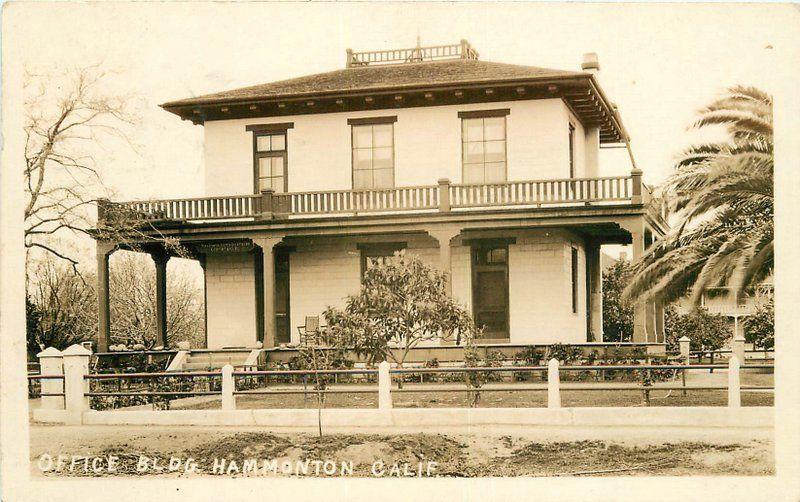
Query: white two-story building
486, 170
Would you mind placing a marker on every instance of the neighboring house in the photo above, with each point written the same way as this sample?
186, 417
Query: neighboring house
735, 306
486, 170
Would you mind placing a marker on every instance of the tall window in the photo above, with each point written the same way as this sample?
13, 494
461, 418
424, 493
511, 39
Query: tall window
571, 151
483, 146
574, 272
270, 161
373, 152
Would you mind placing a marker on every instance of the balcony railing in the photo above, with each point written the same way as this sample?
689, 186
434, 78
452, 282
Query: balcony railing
443, 197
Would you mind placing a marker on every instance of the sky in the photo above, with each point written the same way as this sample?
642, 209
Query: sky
659, 63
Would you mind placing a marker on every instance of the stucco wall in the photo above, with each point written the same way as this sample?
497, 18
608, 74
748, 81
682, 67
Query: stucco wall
324, 272
427, 146
540, 293
230, 297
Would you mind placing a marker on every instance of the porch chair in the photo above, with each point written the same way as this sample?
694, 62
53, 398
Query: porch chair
309, 333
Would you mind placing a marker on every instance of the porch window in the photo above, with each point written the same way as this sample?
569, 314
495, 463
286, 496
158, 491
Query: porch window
373, 152
371, 254
574, 272
483, 146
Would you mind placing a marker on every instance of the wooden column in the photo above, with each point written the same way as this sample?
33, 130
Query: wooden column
160, 258
267, 245
104, 250
640, 307
444, 235
594, 293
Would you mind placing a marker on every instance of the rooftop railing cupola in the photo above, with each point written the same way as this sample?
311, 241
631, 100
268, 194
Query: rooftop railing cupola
416, 54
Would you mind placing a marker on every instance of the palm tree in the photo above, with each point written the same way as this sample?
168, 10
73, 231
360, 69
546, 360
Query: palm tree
721, 195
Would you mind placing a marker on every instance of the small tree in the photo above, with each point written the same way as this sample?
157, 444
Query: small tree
402, 303
327, 350
759, 328
617, 312
707, 332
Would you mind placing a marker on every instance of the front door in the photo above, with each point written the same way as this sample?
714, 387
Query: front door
490, 288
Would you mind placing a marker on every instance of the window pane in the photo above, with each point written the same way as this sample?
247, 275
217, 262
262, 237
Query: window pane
362, 159
277, 184
278, 142
264, 167
262, 143
277, 166
382, 158
473, 130
473, 152
495, 172
382, 135
362, 179
495, 151
264, 183
473, 173
495, 128
362, 136
383, 178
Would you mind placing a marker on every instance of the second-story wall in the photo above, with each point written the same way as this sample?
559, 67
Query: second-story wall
427, 146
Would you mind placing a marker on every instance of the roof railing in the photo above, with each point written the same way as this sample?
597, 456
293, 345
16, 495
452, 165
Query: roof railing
418, 54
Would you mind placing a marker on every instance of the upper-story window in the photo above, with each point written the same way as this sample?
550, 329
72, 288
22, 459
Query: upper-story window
373, 152
270, 156
571, 150
483, 146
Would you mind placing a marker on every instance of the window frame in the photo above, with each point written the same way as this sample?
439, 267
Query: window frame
571, 139
261, 130
484, 114
378, 250
371, 122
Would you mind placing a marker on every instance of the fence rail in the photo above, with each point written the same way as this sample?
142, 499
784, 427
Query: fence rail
442, 197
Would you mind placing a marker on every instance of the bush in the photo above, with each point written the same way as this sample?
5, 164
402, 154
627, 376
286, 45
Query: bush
759, 328
707, 332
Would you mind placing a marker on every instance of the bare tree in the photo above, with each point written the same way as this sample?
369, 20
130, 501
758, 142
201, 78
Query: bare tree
133, 304
61, 307
70, 117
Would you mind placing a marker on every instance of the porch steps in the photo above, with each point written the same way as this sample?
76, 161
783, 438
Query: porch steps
209, 360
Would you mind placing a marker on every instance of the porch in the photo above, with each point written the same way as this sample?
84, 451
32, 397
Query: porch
523, 257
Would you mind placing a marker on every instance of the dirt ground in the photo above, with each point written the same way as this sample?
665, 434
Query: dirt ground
485, 452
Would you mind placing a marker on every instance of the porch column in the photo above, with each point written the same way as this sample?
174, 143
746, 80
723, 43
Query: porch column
160, 258
660, 321
444, 235
640, 307
594, 307
267, 245
104, 250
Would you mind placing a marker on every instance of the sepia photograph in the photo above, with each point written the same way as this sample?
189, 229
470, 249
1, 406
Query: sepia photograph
285, 248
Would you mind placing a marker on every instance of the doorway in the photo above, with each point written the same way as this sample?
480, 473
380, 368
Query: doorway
490, 288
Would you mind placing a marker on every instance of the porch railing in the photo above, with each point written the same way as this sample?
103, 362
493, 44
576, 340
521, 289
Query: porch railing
443, 197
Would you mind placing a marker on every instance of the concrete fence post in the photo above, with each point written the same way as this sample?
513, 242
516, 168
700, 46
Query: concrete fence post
51, 363
737, 347
76, 367
553, 385
228, 399
734, 387
684, 343
384, 387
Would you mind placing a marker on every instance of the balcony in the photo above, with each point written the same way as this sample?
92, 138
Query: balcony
443, 197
